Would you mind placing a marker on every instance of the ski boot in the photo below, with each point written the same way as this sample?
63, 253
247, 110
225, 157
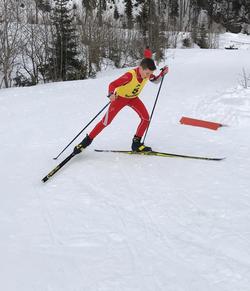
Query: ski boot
137, 146
82, 145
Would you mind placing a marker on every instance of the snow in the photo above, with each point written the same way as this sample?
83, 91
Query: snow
110, 222
240, 41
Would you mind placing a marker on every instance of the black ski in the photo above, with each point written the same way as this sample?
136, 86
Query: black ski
160, 154
58, 167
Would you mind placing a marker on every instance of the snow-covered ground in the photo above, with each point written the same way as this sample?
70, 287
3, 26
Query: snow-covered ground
234, 40
108, 222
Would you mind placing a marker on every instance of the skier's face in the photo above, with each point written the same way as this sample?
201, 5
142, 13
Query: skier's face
145, 73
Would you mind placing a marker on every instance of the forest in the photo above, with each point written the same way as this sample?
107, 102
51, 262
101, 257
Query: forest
46, 41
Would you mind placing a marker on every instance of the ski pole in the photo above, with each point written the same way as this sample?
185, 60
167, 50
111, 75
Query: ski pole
82, 131
151, 115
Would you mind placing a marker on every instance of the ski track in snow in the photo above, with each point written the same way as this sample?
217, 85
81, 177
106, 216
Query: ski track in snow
108, 222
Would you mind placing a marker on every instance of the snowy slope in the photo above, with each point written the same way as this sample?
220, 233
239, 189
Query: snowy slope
240, 41
126, 223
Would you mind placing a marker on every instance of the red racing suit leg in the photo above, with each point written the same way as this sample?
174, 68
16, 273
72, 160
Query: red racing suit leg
137, 105
115, 106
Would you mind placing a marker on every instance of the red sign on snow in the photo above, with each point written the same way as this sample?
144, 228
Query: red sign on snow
200, 123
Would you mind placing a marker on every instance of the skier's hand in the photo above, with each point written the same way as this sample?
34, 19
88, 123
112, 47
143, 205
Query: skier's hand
113, 97
164, 71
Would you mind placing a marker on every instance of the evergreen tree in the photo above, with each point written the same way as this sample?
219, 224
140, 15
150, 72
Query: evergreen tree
116, 13
174, 8
202, 39
129, 13
173, 12
143, 19
44, 5
63, 63
150, 24
104, 5
89, 5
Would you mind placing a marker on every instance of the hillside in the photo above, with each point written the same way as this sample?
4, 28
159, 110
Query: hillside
112, 222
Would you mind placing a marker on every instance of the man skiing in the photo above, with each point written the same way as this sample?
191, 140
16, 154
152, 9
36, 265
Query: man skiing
125, 91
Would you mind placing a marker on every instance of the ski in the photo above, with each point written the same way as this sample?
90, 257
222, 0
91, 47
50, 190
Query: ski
152, 153
160, 154
58, 167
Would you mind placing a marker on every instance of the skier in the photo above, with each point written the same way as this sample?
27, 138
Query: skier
125, 91
147, 53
